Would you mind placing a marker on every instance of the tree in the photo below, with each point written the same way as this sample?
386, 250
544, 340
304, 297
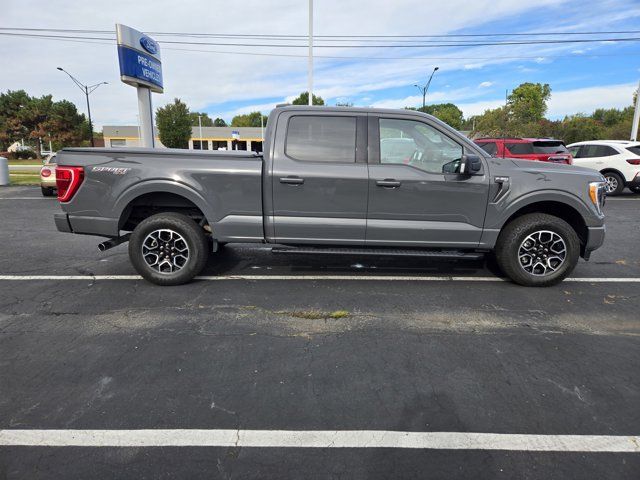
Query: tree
248, 120
492, 123
204, 118
218, 122
528, 102
577, 128
34, 119
11, 126
174, 124
303, 99
447, 112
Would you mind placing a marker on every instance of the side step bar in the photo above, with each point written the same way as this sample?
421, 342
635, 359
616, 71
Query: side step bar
390, 252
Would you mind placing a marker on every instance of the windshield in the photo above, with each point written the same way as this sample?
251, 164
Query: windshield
549, 147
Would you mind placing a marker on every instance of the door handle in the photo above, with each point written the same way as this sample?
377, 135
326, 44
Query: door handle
292, 180
388, 183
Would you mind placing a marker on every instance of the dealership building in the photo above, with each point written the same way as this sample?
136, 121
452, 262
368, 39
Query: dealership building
211, 138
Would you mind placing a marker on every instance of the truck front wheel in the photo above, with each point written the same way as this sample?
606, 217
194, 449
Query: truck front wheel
168, 249
537, 250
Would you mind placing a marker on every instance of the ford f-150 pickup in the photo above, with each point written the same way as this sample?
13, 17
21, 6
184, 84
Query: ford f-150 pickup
335, 181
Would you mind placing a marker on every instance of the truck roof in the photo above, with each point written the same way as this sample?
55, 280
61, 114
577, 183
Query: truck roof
306, 108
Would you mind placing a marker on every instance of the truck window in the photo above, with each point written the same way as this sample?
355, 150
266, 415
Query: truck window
433, 151
321, 138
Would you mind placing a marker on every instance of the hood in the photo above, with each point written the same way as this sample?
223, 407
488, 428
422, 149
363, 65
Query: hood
532, 166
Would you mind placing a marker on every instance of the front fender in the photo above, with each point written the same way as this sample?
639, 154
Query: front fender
499, 213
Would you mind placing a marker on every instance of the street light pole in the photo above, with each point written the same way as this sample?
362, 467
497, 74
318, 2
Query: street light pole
310, 66
200, 125
425, 89
636, 116
86, 89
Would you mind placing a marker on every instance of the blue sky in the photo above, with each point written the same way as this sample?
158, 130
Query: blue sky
224, 81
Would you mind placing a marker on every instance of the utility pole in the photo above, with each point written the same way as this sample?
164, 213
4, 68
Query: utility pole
200, 125
636, 117
425, 88
310, 67
86, 90
262, 128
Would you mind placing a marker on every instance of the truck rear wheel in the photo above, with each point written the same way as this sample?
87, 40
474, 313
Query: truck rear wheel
168, 249
537, 250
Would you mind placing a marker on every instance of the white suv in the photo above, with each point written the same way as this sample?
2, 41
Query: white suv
617, 160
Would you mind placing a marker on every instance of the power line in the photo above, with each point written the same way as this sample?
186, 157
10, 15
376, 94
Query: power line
417, 45
343, 57
289, 36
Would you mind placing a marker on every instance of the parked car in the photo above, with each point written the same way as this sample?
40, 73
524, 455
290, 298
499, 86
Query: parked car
617, 160
48, 176
324, 185
541, 149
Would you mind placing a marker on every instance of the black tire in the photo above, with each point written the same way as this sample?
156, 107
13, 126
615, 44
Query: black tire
615, 183
512, 239
635, 189
47, 191
180, 265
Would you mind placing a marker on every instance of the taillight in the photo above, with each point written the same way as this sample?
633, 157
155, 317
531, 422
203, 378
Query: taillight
68, 180
634, 161
45, 172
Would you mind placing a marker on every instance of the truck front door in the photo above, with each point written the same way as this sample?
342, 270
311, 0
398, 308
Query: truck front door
319, 178
417, 198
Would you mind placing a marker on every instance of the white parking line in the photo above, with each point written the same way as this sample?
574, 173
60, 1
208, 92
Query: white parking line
401, 278
320, 439
25, 198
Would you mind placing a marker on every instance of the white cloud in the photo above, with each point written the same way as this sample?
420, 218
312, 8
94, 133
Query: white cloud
210, 81
568, 102
485, 84
477, 108
586, 100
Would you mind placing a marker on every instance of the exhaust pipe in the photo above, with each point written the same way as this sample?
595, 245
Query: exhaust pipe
113, 242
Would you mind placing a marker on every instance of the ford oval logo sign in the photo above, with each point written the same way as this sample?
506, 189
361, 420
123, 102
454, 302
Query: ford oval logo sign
149, 45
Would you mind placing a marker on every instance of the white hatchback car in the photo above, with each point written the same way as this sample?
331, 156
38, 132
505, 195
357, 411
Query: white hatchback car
617, 160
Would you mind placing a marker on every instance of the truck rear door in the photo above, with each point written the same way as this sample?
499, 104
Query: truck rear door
319, 178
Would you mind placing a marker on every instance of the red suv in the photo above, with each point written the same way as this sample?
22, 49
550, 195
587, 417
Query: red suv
541, 149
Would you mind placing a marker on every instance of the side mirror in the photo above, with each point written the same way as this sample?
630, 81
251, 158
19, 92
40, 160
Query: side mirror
470, 164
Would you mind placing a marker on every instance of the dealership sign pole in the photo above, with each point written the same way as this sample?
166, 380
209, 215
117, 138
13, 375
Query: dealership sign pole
140, 67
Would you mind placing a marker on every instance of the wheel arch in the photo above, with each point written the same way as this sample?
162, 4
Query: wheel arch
556, 208
146, 199
613, 170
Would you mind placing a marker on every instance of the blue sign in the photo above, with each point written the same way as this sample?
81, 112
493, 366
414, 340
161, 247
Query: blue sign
140, 67
149, 45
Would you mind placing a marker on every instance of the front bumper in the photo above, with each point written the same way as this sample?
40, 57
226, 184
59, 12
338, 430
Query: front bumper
595, 239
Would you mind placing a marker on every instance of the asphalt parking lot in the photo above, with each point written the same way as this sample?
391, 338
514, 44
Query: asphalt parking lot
289, 346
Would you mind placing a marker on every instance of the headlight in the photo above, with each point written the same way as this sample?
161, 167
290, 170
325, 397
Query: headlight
597, 194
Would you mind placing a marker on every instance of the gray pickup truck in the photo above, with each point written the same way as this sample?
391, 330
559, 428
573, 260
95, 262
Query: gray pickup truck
349, 181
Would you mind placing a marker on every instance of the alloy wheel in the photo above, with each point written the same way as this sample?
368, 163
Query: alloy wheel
542, 253
165, 251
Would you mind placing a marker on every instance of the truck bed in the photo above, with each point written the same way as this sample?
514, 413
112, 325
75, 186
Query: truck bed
225, 186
